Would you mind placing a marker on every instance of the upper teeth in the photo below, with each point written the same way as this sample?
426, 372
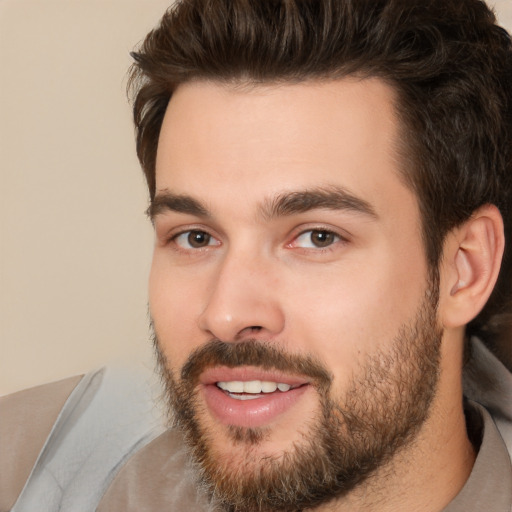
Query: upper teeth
252, 386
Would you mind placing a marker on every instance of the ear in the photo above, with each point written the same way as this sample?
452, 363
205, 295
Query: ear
471, 263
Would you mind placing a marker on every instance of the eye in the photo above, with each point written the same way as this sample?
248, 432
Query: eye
194, 239
316, 239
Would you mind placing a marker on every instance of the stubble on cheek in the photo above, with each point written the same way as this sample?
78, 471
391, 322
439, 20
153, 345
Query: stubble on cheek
351, 437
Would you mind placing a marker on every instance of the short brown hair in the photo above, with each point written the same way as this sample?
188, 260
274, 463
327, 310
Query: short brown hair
449, 62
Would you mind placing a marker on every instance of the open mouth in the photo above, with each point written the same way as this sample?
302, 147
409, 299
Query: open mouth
249, 396
252, 389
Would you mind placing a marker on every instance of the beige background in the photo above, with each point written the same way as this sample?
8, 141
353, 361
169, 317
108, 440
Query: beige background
75, 245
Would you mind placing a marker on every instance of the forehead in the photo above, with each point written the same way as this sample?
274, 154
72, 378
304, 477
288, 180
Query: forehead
221, 140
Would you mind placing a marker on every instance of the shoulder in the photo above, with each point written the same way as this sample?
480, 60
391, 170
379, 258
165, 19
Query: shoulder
26, 420
488, 382
98, 422
158, 477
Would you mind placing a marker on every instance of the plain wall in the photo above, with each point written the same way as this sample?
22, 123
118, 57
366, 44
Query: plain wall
75, 244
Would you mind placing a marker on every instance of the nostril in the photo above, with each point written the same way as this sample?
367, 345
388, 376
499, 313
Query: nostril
248, 331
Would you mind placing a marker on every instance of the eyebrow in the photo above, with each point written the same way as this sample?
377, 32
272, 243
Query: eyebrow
327, 198
166, 201
282, 205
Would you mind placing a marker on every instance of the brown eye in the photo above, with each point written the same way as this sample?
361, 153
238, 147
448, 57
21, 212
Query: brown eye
194, 239
322, 238
316, 239
198, 239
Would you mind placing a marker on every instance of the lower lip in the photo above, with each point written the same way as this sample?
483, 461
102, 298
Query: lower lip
253, 413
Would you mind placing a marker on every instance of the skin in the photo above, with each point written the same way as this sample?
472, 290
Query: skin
234, 151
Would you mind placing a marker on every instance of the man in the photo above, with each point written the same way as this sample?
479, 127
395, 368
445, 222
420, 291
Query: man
330, 185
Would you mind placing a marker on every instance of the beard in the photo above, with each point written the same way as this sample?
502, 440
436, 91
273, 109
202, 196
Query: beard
354, 434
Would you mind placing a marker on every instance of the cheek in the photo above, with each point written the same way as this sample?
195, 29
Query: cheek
347, 315
173, 301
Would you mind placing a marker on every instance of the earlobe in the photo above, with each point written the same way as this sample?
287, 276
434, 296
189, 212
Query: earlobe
475, 250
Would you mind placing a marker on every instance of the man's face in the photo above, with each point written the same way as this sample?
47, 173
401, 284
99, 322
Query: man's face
289, 289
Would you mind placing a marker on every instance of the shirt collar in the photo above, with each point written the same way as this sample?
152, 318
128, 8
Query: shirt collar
489, 486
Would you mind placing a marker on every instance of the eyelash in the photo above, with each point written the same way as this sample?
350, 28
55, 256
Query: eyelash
173, 239
336, 239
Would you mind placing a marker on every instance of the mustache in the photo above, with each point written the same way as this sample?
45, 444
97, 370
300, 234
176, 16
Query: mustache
252, 352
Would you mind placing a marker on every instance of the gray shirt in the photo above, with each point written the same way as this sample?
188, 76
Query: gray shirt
489, 486
109, 450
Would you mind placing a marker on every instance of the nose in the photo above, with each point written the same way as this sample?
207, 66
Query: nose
243, 301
